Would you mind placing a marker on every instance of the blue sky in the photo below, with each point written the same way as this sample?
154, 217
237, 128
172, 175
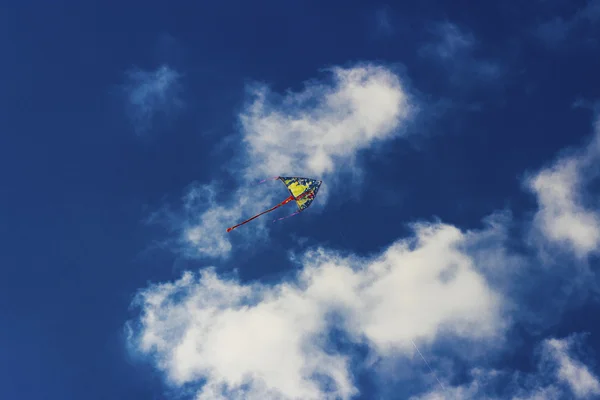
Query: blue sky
459, 145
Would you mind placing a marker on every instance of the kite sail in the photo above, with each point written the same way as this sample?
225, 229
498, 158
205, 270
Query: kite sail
302, 191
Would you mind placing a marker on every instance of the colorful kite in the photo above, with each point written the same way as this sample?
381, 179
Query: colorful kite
302, 191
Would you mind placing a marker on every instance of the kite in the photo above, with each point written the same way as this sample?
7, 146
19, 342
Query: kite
302, 191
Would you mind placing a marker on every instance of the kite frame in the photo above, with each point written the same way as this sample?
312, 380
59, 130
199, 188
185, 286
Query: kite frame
314, 191
291, 197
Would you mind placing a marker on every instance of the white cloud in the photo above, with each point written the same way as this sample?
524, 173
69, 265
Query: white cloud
201, 223
563, 217
317, 132
322, 127
232, 340
202, 233
150, 93
559, 376
580, 380
247, 340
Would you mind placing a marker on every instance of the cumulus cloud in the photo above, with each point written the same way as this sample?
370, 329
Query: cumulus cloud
317, 132
255, 341
564, 216
323, 126
227, 339
150, 94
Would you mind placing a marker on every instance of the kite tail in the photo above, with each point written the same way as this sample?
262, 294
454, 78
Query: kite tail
264, 212
291, 215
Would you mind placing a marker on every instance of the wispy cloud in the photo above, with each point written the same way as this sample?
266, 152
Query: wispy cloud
571, 371
455, 49
450, 42
555, 32
383, 22
317, 132
152, 94
559, 375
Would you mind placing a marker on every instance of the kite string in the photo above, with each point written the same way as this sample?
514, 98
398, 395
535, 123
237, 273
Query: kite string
413, 343
428, 366
291, 215
267, 179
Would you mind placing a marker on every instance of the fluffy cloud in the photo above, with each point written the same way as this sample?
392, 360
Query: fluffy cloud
564, 217
227, 339
250, 340
317, 132
320, 128
150, 93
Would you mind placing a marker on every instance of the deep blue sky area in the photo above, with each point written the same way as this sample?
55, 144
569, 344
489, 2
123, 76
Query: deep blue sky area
79, 181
